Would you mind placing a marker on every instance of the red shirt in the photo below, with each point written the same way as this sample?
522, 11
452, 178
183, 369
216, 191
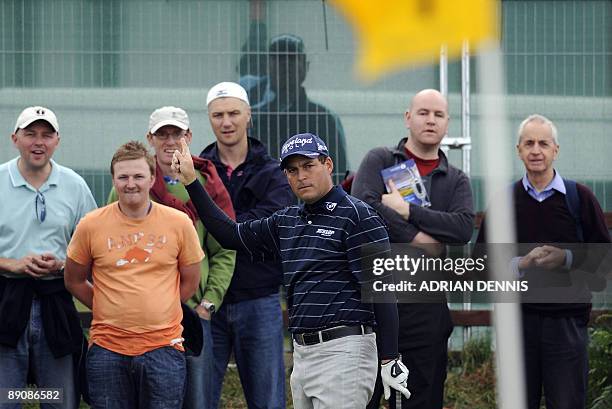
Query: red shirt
425, 166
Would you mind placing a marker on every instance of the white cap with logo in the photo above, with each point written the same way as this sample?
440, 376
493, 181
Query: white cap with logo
227, 89
168, 116
36, 113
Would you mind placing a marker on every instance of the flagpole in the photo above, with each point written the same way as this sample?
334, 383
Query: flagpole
497, 151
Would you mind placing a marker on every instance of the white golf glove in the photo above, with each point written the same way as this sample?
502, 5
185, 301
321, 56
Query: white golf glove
394, 375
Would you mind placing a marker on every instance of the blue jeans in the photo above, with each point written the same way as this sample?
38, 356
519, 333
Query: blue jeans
48, 372
253, 330
153, 380
200, 373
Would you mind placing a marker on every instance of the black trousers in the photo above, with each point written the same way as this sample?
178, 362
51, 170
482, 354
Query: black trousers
556, 360
427, 366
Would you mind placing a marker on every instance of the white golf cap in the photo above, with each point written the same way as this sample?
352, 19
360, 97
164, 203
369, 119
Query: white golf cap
168, 116
36, 113
227, 89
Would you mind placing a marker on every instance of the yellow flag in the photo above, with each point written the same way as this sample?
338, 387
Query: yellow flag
396, 33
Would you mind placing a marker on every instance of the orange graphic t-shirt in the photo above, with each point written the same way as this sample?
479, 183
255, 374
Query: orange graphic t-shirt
134, 264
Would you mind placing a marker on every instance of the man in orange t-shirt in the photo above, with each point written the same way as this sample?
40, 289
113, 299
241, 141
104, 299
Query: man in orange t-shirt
145, 259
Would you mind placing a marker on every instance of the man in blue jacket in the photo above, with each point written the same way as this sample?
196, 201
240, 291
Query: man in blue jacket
249, 323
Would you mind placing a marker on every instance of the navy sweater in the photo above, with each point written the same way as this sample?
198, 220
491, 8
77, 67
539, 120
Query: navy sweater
551, 222
257, 188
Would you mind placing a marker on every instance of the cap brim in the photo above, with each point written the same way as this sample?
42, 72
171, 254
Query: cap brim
172, 122
31, 121
241, 98
308, 154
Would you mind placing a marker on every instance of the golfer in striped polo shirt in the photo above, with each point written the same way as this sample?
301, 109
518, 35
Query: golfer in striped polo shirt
320, 244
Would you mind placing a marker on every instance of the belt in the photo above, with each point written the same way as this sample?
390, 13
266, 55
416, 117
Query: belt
312, 338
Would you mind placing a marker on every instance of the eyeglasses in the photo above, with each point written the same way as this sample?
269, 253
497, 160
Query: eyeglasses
174, 135
41, 210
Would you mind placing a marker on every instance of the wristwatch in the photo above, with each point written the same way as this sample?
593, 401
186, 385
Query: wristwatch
208, 306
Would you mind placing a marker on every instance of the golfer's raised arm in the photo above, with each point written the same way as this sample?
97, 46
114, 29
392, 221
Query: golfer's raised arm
251, 236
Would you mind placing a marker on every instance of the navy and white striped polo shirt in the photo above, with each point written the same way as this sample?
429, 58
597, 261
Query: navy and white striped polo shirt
320, 246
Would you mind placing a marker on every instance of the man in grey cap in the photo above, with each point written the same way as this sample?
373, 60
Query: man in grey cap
42, 202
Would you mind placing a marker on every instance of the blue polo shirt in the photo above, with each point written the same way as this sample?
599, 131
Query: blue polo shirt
320, 247
67, 200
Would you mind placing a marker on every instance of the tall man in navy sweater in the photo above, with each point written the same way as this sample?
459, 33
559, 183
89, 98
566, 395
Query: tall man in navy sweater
554, 335
250, 321
321, 246
424, 327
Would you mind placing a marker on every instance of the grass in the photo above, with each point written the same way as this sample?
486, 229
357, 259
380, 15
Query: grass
470, 383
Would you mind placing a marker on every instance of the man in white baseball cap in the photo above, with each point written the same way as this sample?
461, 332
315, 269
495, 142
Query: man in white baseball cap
42, 203
36, 113
250, 321
225, 90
